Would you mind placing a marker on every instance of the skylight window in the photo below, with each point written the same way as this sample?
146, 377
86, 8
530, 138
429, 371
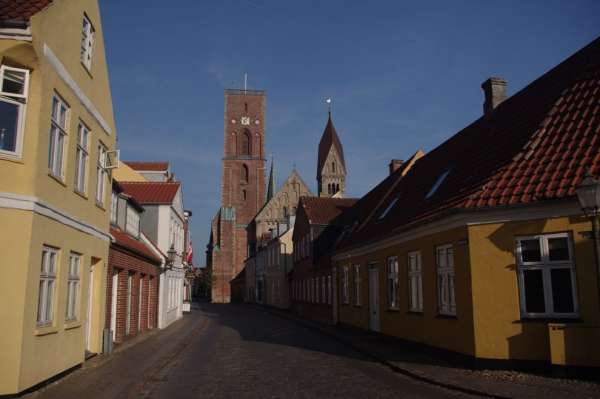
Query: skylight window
388, 209
437, 184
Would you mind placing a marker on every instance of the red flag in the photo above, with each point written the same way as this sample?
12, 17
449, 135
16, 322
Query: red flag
190, 253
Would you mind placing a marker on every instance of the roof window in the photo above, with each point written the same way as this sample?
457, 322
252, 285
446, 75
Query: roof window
388, 209
437, 184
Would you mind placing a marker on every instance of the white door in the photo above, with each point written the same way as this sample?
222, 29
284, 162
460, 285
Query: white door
113, 304
373, 298
88, 324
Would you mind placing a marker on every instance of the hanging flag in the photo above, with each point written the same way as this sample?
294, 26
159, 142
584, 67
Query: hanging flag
190, 253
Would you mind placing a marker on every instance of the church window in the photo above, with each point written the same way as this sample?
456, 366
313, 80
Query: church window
285, 212
246, 143
337, 188
245, 174
246, 107
244, 195
333, 167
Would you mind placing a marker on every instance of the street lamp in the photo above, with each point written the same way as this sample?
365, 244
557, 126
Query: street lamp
588, 194
171, 254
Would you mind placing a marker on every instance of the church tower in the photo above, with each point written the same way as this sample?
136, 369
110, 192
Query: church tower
242, 186
331, 166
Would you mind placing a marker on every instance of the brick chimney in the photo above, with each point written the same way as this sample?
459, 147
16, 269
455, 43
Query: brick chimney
395, 164
495, 92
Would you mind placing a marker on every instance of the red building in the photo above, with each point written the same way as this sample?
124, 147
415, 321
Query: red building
134, 266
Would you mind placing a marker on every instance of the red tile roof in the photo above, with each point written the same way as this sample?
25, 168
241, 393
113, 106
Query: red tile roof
152, 193
536, 146
126, 241
148, 166
328, 140
21, 10
321, 210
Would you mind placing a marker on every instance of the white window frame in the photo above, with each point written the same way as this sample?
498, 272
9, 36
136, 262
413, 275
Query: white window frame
357, 287
81, 158
444, 257
73, 284
345, 288
87, 42
59, 123
101, 174
392, 286
19, 100
47, 286
132, 221
415, 282
114, 207
546, 266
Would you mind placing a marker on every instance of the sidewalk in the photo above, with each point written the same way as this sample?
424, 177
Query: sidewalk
424, 365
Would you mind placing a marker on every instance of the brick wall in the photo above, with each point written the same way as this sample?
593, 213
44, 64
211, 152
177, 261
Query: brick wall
144, 277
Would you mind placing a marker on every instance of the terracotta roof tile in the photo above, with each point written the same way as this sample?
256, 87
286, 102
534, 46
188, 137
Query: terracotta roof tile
125, 240
321, 210
151, 193
535, 146
148, 166
21, 10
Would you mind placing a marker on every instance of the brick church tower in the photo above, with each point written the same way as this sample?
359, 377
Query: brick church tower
242, 187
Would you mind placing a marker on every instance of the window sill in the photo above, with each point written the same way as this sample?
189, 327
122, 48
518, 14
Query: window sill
415, 312
82, 195
72, 324
57, 179
7, 156
446, 316
42, 330
101, 206
546, 320
394, 310
86, 69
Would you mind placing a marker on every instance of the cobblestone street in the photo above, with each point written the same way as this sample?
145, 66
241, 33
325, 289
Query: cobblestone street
234, 351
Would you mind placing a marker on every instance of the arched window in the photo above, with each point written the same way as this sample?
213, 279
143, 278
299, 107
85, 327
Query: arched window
244, 195
246, 143
246, 107
245, 174
329, 189
333, 167
337, 188
285, 211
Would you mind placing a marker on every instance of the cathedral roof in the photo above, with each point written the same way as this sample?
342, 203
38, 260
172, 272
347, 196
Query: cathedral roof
328, 140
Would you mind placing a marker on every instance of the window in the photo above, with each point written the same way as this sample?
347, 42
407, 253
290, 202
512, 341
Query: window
445, 286
58, 132
244, 195
245, 174
114, 207
81, 158
132, 224
357, 285
87, 42
393, 283
246, 143
45, 309
128, 309
415, 283
388, 209
333, 167
14, 83
330, 294
317, 290
345, 291
547, 281
73, 286
437, 184
101, 174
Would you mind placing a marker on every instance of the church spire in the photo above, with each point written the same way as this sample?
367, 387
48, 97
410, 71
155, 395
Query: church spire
271, 185
331, 165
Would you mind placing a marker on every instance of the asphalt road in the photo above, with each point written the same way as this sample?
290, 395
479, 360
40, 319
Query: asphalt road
237, 351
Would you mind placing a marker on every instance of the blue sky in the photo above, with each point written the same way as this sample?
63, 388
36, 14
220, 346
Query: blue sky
402, 77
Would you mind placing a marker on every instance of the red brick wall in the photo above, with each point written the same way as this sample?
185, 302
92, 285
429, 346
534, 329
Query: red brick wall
144, 276
228, 260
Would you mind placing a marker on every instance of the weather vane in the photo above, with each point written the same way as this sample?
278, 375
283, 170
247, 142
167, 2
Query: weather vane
328, 101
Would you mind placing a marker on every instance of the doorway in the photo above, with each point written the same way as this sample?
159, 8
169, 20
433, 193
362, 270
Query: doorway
373, 297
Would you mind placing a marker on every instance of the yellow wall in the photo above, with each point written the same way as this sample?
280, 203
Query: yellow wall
429, 327
29, 356
499, 331
125, 173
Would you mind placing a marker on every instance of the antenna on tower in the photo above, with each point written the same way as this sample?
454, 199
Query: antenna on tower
245, 82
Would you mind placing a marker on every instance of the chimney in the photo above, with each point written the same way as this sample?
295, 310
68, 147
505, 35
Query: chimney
395, 164
495, 92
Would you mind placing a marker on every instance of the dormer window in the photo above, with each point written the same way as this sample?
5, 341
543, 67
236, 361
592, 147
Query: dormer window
388, 209
13, 99
87, 43
437, 184
133, 221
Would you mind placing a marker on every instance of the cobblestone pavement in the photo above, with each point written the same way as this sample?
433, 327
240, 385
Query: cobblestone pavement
231, 351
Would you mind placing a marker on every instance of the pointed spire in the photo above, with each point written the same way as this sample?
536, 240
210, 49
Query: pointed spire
271, 185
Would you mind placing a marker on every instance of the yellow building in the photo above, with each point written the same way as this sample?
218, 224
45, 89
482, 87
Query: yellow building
57, 136
481, 246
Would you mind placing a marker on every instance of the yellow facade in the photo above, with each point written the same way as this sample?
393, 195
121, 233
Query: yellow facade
38, 209
125, 173
488, 322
